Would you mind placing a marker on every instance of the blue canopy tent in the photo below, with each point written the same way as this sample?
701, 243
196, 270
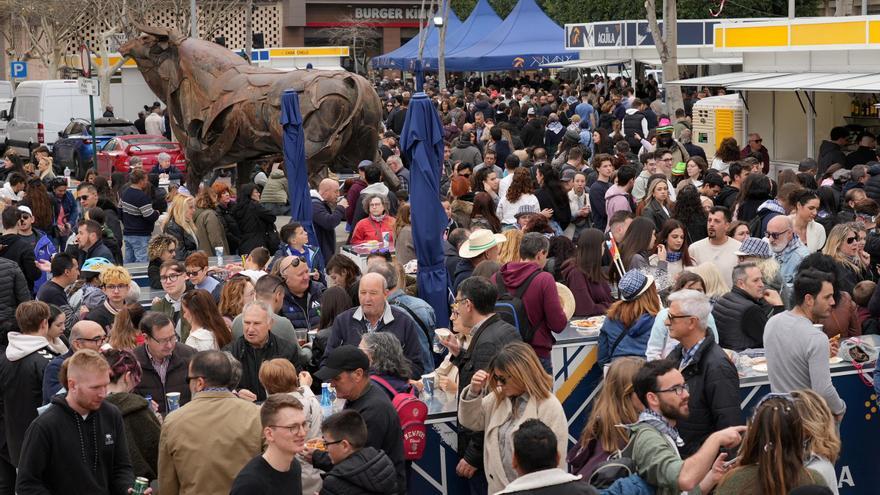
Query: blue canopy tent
295, 165
482, 21
526, 39
409, 51
422, 141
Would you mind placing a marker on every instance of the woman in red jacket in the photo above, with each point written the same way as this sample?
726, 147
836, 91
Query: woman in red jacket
375, 226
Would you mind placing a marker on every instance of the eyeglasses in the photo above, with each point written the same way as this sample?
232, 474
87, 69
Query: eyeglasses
500, 379
191, 378
327, 444
113, 288
776, 235
168, 340
850, 240
193, 274
84, 197
679, 389
296, 427
94, 340
757, 140
171, 277
672, 317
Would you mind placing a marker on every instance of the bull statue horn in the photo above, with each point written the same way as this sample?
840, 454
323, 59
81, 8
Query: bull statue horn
170, 34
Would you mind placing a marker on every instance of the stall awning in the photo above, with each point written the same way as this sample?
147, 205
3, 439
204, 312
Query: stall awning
584, 64
807, 81
727, 79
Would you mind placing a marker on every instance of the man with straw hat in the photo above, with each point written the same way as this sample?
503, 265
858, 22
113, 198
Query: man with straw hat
480, 245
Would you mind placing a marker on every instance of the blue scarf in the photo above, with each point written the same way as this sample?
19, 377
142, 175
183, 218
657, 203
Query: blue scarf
658, 422
673, 256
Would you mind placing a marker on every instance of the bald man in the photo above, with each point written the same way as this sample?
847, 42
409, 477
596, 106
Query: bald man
787, 247
327, 213
83, 335
376, 315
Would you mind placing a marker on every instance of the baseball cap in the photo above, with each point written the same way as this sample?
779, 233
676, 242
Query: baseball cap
343, 358
531, 111
568, 175
364, 164
25, 209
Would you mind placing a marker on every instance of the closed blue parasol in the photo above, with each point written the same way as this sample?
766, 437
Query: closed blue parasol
422, 141
295, 164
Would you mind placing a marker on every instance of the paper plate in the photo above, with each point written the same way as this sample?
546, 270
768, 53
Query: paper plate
835, 360
760, 368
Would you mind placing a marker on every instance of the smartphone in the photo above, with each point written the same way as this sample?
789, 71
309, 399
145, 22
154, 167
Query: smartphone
731, 462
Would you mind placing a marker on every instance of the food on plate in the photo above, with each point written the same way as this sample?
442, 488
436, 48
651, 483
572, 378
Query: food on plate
593, 322
317, 444
760, 368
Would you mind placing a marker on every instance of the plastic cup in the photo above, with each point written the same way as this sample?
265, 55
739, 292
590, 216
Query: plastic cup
172, 401
428, 385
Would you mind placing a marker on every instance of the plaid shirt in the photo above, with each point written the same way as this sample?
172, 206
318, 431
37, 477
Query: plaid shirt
687, 355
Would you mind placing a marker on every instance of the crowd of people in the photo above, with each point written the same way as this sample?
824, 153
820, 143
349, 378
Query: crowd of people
221, 379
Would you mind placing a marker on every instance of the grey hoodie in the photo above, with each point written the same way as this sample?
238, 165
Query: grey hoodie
22, 345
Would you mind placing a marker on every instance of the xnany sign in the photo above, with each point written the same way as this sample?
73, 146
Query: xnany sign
386, 13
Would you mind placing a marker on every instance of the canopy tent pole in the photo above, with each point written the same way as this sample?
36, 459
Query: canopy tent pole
811, 126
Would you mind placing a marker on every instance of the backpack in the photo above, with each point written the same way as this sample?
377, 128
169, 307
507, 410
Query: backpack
756, 225
412, 414
511, 309
619, 475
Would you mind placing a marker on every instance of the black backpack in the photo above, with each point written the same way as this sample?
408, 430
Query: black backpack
511, 308
756, 225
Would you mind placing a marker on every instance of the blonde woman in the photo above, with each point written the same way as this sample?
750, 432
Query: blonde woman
510, 249
513, 389
279, 376
403, 239
821, 434
181, 226
843, 247
656, 205
714, 284
616, 404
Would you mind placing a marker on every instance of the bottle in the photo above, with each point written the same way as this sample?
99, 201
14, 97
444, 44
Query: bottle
67, 175
333, 399
219, 251
326, 403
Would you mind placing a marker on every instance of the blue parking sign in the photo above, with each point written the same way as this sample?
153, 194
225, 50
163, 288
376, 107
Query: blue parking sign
18, 69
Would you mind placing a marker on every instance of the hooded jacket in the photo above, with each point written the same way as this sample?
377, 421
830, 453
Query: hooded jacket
21, 384
553, 481
64, 453
326, 218
872, 186
635, 343
829, 154
767, 211
275, 190
17, 249
466, 152
354, 192
365, 472
591, 297
142, 429
617, 199
541, 301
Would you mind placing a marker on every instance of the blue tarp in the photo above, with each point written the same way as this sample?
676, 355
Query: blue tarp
526, 39
482, 21
422, 141
295, 163
409, 51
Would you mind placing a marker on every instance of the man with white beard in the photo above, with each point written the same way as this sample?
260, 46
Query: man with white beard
786, 246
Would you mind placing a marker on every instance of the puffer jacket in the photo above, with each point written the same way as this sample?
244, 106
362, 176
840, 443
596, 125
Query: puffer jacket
308, 316
275, 190
872, 187
714, 401
142, 429
13, 291
634, 343
366, 472
741, 320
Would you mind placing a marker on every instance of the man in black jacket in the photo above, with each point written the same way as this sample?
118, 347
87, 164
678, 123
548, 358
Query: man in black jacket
347, 370
21, 372
831, 151
90, 243
742, 313
16, 249
78, 445
711, 378
489, 334
256, 345
532, 133
163, 359
328, 211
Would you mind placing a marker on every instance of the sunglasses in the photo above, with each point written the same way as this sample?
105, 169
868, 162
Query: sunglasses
84, 197
777, 235
193, 274
850, 240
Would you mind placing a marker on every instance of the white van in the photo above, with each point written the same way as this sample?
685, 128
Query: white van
42, 109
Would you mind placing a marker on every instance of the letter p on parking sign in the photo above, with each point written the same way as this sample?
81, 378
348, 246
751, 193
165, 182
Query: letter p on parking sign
18, 70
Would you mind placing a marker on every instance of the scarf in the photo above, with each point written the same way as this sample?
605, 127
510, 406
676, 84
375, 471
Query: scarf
658, 422
378, 219
673, 256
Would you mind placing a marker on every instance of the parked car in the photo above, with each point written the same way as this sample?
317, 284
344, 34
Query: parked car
5, 104
40, 110
74, 145
115, 155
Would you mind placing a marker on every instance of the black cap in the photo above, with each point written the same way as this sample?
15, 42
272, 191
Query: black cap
343, 358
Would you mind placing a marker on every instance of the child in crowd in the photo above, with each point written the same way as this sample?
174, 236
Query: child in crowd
861, 295
356, 468
255, 263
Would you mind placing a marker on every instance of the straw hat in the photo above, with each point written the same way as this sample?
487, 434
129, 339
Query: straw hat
480, 241
567, 299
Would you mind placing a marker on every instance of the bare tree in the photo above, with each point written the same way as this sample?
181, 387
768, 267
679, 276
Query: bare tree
356, 34
667, 47
211, 15
441, 49
49, 26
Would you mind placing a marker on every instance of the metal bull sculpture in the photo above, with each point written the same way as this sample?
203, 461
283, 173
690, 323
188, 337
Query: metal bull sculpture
224, 110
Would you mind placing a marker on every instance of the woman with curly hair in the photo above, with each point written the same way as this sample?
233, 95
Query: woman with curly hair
161, 248
519, 199
210, 233
689, 211
236, 292
727, 153
387, 361
43, 209
209, 331
180, 225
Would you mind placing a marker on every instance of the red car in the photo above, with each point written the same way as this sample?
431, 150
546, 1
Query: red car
114, 156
